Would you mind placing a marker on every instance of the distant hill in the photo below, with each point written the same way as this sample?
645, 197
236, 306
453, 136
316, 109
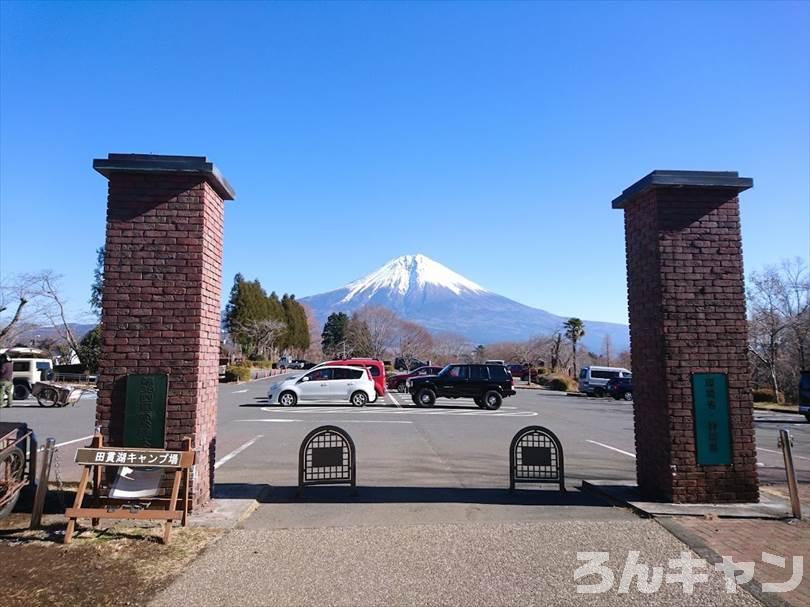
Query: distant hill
426, 292
41, 333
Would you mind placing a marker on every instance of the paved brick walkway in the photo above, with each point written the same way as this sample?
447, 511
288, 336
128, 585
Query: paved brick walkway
745, 540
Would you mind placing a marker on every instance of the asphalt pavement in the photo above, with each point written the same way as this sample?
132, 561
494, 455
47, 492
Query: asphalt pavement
454, 445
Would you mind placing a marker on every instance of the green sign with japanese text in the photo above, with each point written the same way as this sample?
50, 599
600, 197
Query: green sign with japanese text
712, 428
145, 411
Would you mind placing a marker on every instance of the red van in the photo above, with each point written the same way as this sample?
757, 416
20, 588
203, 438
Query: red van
375, 367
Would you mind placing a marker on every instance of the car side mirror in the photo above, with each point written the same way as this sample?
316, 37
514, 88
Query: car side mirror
305, 378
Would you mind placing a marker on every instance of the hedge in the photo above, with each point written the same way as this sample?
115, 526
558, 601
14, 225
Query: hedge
234, 373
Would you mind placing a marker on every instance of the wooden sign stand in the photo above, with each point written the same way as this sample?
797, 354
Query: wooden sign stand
159, 509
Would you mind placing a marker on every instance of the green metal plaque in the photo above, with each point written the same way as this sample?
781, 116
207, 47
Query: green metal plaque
145, 411
712, 429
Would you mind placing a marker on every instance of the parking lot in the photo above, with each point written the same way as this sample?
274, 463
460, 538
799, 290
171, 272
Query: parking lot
454, 445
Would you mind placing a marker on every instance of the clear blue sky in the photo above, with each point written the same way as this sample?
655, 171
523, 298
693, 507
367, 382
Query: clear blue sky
488, 136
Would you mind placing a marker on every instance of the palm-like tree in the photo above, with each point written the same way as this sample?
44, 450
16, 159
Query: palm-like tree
574, 331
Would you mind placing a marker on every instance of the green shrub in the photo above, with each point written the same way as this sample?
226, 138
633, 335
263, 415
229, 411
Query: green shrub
558, 384
234, 373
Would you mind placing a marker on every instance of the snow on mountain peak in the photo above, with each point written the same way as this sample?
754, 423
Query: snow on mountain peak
408, 272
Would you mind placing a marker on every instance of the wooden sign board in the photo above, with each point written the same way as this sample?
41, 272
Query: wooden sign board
95, 458
133, 458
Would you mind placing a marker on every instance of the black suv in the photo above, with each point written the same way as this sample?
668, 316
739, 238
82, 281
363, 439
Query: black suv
487, 385
620, 388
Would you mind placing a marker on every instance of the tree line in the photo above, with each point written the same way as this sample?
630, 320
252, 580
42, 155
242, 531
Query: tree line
264, 325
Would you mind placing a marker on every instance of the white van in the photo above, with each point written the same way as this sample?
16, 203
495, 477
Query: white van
592, 380
27, 372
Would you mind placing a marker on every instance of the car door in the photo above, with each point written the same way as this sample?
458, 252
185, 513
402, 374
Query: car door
338, 387
479, 376
453, 383
315, 384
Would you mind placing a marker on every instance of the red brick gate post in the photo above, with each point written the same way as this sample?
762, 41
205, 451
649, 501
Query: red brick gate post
687, 315
161, 299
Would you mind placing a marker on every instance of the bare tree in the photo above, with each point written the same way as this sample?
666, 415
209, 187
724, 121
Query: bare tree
413, 342
779, 325
16, 293
55, 311
263, 334
314, 352
381, 324
450, 347
556, 352
607, 348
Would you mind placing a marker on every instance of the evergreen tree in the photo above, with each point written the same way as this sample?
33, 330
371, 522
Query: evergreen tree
333, 336
90, 349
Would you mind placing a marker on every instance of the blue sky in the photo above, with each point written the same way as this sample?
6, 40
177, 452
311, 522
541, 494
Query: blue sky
489, 136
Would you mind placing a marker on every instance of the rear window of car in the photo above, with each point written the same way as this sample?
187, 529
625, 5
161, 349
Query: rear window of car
375, 370
347, 373
20, 366
497, 372
478, 372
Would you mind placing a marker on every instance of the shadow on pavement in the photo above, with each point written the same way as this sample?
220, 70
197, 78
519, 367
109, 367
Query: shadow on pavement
268, 494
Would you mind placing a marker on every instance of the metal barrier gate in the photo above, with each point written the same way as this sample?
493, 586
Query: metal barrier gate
327, 457
536, 456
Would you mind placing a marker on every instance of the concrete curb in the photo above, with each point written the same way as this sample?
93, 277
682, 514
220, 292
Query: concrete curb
777, 409
625, 494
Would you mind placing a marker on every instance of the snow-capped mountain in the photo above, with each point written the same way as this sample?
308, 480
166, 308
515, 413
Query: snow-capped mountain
424, 291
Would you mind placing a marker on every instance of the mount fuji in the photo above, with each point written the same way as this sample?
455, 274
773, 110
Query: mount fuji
424, 291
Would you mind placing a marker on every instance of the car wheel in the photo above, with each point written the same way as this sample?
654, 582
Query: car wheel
21, 392
48, 398
598, 393
426, 397
627, 396
415, 400
479, 401
807, 417
492, 400
287, 399
359, 399
402, 388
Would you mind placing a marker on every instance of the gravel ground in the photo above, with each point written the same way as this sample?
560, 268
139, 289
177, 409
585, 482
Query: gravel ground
461, 565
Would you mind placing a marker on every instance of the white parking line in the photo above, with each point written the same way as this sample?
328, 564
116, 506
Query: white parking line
240, 391
237, 451
333, 421
393, 398
780, 453
70, 442
633, 455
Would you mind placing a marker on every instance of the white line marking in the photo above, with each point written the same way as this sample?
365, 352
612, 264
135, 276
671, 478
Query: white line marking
633, 455
393, 398
239, 392
237, 451
780, 453
342, 421
70, 442
280, 421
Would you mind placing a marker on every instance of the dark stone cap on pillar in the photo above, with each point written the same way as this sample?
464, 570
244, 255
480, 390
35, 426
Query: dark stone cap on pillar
728, 180
154, 163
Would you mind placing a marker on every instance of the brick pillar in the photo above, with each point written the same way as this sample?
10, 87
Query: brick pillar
687, 315
161, 299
